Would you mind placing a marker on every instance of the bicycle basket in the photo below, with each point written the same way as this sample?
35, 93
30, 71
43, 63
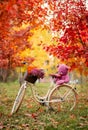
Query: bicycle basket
30, 78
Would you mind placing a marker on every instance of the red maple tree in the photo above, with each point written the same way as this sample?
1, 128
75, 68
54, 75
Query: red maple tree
68, 18
70, 22
14, 13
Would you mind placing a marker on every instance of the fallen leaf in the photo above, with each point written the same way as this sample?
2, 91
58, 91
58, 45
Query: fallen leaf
72, 116
1, 126
33, 115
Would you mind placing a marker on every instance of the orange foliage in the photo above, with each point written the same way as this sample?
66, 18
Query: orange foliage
30, 68
14, 13
70, 21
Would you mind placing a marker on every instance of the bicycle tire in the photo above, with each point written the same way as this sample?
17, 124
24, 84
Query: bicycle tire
18, 99
60, 93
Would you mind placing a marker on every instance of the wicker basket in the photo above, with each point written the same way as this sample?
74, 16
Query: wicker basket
30, 78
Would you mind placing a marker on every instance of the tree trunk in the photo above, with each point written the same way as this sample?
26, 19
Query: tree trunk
4, 73
81, 78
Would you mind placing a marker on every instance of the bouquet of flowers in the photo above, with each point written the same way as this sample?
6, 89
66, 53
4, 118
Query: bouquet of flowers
37, 72
34, 74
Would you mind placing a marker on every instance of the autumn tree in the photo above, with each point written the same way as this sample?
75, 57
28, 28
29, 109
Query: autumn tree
69, 23
66, 18
42, 58
13, 14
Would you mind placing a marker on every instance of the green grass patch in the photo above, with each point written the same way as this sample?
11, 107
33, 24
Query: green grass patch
32, 116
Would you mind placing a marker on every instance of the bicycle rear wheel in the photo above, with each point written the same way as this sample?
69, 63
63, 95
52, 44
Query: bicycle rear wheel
19, 98
63, 98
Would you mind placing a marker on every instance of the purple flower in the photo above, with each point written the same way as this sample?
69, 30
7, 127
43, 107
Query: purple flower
37, 72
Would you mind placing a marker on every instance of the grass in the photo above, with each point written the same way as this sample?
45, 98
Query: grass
32, 116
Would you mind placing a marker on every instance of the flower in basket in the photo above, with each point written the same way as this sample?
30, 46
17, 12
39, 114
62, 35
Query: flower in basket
37, 72
33, 73
30, 68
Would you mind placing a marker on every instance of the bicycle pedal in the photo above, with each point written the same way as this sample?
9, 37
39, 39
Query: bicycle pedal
42, 102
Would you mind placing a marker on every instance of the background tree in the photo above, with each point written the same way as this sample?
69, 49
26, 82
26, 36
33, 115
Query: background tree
67, 19
15, 13
70, 23
42, 58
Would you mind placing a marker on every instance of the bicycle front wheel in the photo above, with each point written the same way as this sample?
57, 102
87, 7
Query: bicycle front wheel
63, 98
19, 98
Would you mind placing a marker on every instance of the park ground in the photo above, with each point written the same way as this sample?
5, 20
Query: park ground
31, 116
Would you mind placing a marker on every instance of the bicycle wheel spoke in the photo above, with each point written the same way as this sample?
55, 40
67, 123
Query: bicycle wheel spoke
67, 98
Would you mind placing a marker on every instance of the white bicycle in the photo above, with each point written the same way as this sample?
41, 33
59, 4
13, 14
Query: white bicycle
63, 97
